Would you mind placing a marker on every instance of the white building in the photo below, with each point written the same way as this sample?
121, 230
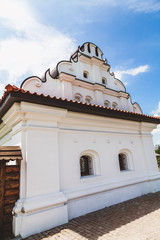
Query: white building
85, 145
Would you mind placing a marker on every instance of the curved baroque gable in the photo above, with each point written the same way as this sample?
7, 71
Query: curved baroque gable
86, 74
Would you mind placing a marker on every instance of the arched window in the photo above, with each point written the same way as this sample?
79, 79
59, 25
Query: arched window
106, 103
78, 97
123, 162
96, 51
89, 162
85, 74
88, 99
89, 49
104, 80
114, 105
82, 48
86, 165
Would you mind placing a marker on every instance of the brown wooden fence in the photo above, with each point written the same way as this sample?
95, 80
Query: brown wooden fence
9, 188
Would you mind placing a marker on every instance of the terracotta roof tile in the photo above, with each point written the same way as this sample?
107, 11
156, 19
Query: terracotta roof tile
11, 88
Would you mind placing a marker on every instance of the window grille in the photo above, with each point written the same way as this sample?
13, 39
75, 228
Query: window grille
86, 165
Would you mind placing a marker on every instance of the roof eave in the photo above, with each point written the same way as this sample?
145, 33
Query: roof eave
13, 97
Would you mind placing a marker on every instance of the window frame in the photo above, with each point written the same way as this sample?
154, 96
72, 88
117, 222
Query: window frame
129, 158
95, 169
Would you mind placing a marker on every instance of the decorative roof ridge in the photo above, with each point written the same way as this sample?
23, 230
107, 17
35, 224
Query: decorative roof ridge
11, 88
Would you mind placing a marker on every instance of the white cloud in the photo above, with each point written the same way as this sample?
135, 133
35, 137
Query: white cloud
156, 112
135, 5
33, 46
133, 71
144, 6
156, 135
156, 132
16, 13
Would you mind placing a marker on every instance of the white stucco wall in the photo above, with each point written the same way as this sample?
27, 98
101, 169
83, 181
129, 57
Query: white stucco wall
52, 140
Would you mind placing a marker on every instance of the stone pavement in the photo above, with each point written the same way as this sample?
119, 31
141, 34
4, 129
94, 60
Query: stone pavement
136, 219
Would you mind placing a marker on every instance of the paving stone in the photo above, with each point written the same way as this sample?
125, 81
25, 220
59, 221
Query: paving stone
136, 219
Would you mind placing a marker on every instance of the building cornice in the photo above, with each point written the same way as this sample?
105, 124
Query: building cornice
66, 77
14, 94
99, 87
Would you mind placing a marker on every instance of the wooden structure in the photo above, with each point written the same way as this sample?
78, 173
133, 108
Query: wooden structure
9, 186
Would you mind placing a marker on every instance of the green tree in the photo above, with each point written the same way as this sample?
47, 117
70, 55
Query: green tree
157, 150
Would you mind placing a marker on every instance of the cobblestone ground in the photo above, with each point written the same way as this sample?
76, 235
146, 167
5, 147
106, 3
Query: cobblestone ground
137, 219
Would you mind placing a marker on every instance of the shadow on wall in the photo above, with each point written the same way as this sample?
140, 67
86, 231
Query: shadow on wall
94, 225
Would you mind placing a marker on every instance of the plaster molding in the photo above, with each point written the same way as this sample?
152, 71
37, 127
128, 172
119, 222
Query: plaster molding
102, 88
83, 58
5, 138
4, 129
105, 67
66, 77
97, 188
13, 116
38, 203
98, 87
97, 61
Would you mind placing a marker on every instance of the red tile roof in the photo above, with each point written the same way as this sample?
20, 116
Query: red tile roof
11, 88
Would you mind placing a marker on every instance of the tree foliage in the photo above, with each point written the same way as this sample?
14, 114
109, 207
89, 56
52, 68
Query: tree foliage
157, 150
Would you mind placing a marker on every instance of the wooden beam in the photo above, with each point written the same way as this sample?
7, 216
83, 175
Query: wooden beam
2, 181
10, 153
9, 148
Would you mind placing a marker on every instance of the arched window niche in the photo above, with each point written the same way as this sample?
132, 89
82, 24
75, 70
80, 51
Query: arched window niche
88, 99
96, 51
125, 160
114, 105
89, 49
85, 74
107, 103
89, 164
104, 80
78, 97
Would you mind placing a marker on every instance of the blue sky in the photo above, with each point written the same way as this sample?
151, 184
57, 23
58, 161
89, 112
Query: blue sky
36, 34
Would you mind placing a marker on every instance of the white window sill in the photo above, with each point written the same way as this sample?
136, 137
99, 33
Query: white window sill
89, 176
129, 170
